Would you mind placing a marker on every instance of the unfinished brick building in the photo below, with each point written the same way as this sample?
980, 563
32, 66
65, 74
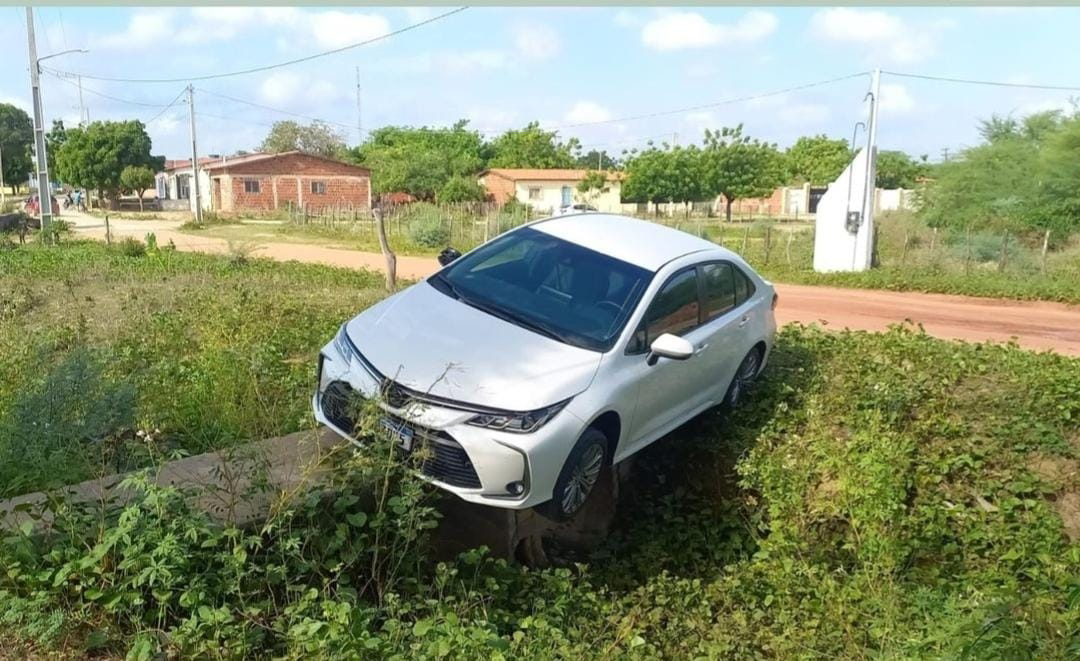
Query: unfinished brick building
263, 182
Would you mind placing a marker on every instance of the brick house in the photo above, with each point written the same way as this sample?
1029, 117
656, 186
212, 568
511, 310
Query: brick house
264, 182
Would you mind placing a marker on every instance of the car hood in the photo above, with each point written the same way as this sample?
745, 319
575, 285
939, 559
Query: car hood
432, 343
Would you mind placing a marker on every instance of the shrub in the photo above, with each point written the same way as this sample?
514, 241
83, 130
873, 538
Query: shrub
131, 247
460, 189
55, 429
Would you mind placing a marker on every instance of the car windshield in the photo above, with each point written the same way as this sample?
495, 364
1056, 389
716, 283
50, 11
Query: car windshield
550, 286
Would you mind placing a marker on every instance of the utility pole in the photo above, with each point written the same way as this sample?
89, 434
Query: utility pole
194, 155
359, 113
3, 195
82, 106
865, 236
945, 154
44, 194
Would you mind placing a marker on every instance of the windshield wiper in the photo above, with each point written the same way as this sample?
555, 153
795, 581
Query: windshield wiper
447, 286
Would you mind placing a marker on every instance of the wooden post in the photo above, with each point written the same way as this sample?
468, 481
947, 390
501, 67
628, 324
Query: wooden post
1004, 251
768, 243
108, 234
967, 250
384, 246
903, 252
933, 242
745, 238
790, 236
1046, 246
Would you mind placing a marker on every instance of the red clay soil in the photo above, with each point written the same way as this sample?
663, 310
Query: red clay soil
1033, 325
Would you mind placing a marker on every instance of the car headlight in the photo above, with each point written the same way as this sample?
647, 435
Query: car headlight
348, 350
521, 423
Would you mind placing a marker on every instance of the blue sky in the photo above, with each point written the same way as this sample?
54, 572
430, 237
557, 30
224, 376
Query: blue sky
502, 67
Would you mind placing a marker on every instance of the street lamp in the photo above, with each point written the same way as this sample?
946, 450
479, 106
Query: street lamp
44, 192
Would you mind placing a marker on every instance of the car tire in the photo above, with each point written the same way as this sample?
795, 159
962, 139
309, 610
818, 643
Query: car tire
744, 378
578, 477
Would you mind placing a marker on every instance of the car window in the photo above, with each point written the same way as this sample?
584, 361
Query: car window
719, 288
744, 287
676, 309
548, 285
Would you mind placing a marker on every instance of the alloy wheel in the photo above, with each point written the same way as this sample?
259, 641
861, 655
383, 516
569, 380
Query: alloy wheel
583, 479
745, 376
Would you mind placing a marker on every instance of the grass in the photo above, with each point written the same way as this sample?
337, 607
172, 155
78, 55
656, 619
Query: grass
881, 496
216, 350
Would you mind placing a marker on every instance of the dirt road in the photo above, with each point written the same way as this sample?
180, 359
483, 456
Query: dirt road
1034, 325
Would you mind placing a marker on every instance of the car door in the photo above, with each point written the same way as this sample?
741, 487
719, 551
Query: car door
668, 391
725, 321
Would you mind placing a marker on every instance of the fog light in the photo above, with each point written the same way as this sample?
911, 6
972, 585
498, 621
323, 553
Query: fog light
516, 488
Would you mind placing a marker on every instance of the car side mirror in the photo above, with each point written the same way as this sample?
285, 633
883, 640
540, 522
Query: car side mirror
448, 255
670, 346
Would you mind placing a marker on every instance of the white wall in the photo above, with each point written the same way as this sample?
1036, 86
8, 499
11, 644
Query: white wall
551, 195
204, 187
835, 248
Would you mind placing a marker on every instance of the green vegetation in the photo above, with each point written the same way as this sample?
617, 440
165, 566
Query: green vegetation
317, 138
94, 157
16, 139
881, 495
215, 352
1023, 179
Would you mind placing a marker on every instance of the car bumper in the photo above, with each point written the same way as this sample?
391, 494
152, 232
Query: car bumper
479, 465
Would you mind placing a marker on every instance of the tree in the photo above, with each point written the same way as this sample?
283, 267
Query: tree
316, 138
646, 177
895, 169
532, 147
16, 140
56, 136
94, 157
593, 185
817, 160
738, 167
137, 179
597, 159
459, 188
420, 161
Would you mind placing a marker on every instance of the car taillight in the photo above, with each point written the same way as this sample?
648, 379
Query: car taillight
775, 298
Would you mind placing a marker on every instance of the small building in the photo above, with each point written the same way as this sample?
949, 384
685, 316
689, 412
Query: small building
265, 182
548, 190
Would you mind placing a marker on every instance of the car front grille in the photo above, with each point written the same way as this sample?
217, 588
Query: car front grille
442, 458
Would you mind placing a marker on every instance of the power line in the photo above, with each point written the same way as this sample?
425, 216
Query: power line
268, 67
992, 83
705, 106
64, 78
171, 104
278, 110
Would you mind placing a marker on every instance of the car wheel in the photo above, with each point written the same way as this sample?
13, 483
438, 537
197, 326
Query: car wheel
579, 475
744, 378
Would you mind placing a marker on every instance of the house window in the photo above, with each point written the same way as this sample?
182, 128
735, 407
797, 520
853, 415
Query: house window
534, 192
251, 185
183, 186
318, 187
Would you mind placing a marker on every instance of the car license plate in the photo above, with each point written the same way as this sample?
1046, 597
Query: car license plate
400, 432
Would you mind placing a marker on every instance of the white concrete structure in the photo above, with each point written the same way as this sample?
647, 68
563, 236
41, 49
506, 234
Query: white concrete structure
175, 183
843, 240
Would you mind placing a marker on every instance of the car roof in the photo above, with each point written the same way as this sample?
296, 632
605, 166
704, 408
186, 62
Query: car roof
640, 242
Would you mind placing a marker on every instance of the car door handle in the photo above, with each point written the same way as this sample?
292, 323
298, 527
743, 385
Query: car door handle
700, 348
745, 320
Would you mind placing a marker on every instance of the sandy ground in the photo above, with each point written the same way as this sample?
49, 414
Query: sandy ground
1033, 325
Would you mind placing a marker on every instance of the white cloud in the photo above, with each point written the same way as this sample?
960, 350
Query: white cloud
419, 14
280, 87
18, 102
896, 99
145, 28
1046, 105
334, 29
491, 118
884, 36
536, 41
678, 30
586, 112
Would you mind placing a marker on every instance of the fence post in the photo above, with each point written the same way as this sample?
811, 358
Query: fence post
745, 238
933, 242
967, 250
790, 236
768, 243
108, 234
903, 252
1046, 246
1004, 251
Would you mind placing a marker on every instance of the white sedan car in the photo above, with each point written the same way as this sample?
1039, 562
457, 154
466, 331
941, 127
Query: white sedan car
535, 361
